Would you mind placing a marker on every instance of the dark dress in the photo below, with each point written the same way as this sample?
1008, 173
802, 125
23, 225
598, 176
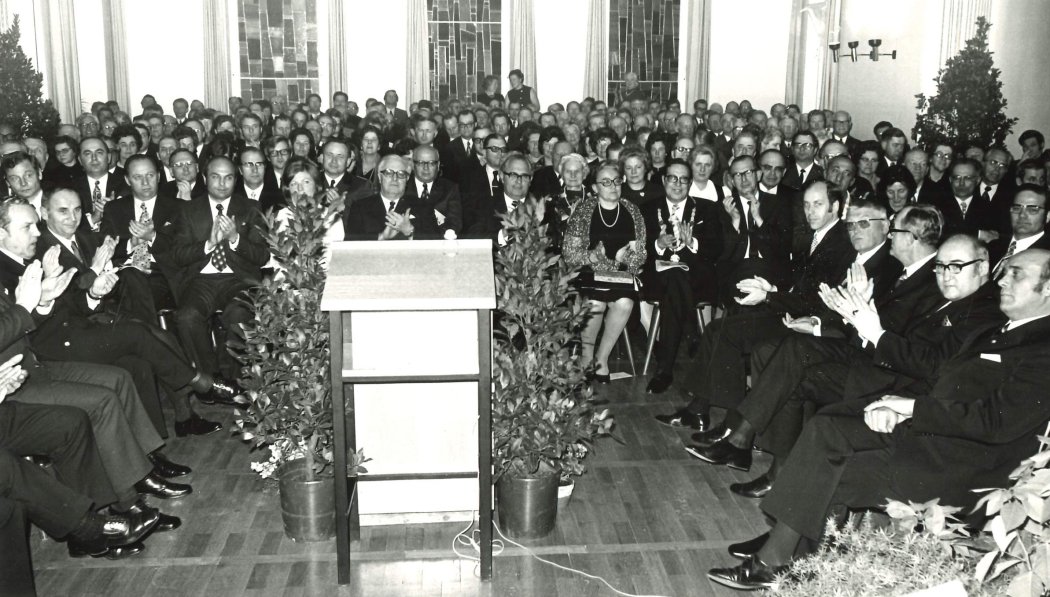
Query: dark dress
651, 192
613, 228
522, 95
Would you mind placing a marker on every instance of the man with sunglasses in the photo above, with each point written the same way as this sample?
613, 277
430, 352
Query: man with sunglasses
390, 214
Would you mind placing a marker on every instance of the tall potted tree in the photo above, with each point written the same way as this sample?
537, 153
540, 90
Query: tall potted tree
288, 392
543, 416
21, 102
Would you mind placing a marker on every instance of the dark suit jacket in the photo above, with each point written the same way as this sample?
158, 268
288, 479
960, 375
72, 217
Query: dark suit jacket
270, 196
116, 186
365, 219
772, 240
480, 206
179, 247
827, 265
852, 145
445, 198
117, 218
980, 215
85, 276
171, 188
907, 303
355, 188
791, 179
455, 159
997, 249
707, 230
545, 182
883, 270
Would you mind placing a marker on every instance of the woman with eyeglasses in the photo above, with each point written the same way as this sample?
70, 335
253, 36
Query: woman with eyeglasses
606, 235
868, 158
940, 160
637, 187
896, 188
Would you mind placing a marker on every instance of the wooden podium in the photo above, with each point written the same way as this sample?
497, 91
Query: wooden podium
411, 337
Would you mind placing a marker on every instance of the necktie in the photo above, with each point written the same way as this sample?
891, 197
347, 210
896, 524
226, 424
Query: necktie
390, 207
753, 205
140, 254
674, 212
469, 145
514, 204
802, 175
218, 254
426, 194
76, 251
901, 279
497, 184
964, 205
331, 183
813, 244
96, 195
987, 194
999, 267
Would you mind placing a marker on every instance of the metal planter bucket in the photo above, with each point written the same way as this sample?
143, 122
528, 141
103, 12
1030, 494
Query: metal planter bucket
307, 507
527, 508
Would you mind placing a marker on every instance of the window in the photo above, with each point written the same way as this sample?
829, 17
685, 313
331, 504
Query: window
643, 39
464, 46
278, 43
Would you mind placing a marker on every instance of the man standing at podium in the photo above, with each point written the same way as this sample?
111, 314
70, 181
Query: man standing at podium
390, 214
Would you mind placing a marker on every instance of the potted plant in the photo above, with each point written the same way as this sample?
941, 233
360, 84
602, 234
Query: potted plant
288, 392
543, 415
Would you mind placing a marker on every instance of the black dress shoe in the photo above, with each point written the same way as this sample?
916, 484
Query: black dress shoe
222, 391
602, 377
709, 436
125, 551
751, 575
161, 488
195, 425
166, 468
117, 531
683, 418
755, 488
659, 383
746, 549
693, 346
722, 452
165, 522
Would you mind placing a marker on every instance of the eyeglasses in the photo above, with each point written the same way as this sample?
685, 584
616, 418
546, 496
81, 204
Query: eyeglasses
742, 173
683, 149
961, 178
769, 168
804, 145
497, 149
427, 163
672, 179
953, 268
610, 182
896, 230
280, 153
253, 165
863, 224
516, 177
996, 164
398, 174
943, 155
183, 164
1032, 210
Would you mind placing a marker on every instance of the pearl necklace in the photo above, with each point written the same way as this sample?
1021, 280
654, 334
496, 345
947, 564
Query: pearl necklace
602, 216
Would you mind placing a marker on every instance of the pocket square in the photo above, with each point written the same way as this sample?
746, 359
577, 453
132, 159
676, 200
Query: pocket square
947, 323
988, 356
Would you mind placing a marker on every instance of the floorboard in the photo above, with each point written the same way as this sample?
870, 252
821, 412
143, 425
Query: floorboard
646, 517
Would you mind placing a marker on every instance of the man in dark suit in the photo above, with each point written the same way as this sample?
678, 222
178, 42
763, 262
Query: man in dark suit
483, 190
96, 186
841, 126
216, 246
980, 418
964, 210
23, 178
460, 150
337, 161
803, 169
253, 184
187, 183
441, 194
683, 231
773, 165
391, 214
997, 188
803, 374
894, 144
1028, 220
398, 117
719, 371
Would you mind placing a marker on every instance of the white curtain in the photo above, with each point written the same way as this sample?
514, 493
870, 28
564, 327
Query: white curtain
217, 74
698, 51
812, 76
336, 46
61, 63
959, 23
796, 68
417, 75
596, 63
523, 40
116, 54
829, 69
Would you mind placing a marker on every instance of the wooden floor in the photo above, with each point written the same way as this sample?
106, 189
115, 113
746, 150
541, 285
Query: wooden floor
646, 516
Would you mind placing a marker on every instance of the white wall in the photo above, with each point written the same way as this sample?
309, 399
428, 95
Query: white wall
1021, 47
376, 54
160, 62
749, 40
561, 50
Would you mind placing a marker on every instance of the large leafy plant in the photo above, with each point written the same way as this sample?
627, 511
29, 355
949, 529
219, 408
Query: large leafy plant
543, 415
285, 368
969, 107
21, 102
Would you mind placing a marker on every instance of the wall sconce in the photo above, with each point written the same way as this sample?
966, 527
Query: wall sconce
874, 53
852, 51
